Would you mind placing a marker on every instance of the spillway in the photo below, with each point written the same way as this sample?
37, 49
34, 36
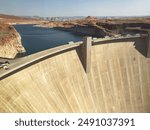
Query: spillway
118, 80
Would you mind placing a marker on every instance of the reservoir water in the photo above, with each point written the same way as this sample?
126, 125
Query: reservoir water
36, 39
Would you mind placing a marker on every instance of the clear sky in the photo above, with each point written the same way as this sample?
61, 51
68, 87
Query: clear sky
50, 8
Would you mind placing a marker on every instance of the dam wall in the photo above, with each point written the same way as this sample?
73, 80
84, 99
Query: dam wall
57, 80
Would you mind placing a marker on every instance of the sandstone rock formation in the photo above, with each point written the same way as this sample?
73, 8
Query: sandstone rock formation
102, 27
10, 42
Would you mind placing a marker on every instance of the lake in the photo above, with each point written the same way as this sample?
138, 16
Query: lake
36, 39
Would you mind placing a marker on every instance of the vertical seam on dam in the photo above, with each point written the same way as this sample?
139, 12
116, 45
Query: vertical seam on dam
148, 48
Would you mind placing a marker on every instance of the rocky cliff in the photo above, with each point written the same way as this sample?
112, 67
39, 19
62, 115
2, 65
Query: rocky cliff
10, 42
90, 30
102, 27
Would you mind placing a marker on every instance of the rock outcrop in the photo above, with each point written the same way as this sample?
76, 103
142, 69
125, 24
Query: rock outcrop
10, 42
102, 27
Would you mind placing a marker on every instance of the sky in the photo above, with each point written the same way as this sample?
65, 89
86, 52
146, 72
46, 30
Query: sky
54, 8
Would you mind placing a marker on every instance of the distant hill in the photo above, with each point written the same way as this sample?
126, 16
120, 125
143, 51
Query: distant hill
14, 17
10, 19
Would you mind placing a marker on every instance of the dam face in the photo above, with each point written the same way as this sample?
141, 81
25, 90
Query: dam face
118, 81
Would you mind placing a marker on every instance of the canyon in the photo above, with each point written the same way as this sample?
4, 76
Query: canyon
95, 27
91, 26
95, 75
10, 40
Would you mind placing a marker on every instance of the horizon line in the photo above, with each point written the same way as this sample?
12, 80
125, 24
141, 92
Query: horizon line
77, 15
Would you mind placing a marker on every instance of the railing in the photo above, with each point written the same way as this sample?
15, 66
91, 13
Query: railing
84, 46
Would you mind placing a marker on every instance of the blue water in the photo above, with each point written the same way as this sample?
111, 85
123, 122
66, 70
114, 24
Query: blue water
36, 39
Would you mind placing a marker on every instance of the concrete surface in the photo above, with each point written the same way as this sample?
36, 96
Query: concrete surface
119, 81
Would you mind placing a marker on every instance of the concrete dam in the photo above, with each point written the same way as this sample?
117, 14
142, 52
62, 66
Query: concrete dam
96, 75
